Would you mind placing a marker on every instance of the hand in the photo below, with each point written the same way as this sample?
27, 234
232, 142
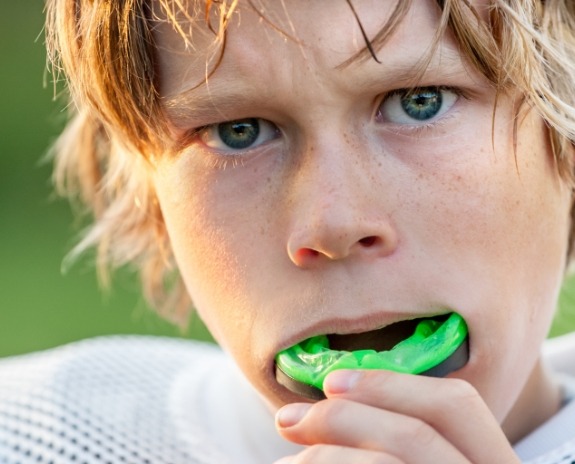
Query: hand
389, 418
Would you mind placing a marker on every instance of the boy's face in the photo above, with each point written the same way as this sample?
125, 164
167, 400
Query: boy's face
340, 203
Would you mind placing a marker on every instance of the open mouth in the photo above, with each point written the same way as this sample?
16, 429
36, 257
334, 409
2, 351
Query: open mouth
431, 346
383, 339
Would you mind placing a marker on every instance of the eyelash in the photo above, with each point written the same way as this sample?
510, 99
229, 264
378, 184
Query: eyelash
420, 130
216, 161
221, 163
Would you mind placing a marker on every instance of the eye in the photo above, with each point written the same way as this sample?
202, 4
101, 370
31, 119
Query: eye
240, 134
413, 106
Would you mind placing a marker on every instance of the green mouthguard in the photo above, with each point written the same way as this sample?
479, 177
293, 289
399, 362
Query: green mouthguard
433, 342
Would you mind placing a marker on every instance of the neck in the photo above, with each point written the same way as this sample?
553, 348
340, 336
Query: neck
538, 402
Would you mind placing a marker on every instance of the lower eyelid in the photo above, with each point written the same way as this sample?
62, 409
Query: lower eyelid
417, 130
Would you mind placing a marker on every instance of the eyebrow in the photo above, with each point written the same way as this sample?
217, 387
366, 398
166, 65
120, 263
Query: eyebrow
209, 100
198, 103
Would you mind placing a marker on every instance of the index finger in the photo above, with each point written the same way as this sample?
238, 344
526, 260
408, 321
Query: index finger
453, 407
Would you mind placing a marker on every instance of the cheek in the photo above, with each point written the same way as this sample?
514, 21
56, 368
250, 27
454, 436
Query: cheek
508, 206
220, 245
506, 231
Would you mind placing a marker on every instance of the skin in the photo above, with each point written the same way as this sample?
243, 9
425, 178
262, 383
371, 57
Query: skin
345, 219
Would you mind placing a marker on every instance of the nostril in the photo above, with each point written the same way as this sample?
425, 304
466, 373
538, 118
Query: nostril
307, 252
368, 241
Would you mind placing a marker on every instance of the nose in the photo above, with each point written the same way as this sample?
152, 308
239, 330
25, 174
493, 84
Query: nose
339, 211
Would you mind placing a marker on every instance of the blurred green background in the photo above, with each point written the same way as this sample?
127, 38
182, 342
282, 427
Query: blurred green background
41, 307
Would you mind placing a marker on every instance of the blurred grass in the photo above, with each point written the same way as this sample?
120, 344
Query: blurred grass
39, 306
564, 321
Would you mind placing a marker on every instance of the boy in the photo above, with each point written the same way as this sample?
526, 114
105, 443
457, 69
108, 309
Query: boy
315, 168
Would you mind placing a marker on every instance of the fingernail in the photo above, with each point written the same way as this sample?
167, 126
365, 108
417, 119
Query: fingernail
340, 381
291, 414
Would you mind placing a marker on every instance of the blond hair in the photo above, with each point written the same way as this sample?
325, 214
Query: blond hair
117, 125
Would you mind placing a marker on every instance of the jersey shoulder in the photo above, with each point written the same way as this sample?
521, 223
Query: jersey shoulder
101, 400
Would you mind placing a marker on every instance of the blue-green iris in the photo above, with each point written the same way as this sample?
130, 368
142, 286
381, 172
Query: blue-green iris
239, 134
422, 104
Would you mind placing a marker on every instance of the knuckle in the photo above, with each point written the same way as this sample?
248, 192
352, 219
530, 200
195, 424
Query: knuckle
413, 430
463, 390
463, 395
423, 434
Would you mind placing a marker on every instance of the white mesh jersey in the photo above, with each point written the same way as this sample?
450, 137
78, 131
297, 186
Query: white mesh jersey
136, 400
147, 400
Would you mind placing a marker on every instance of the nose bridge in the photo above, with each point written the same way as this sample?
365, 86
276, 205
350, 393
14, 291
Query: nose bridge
330, 181
336, 202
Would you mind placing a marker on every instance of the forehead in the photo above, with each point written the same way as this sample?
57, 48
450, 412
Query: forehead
278, 38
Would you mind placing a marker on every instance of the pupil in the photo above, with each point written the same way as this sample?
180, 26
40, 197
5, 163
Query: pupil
239, 134
422, 105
